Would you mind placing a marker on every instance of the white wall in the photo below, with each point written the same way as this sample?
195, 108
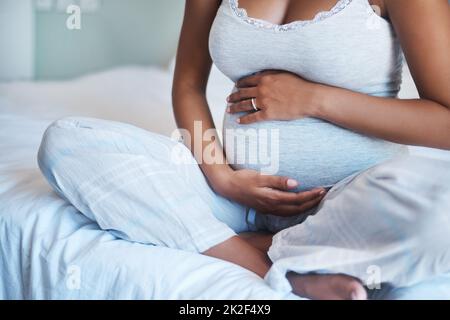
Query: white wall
118, 33
16, 40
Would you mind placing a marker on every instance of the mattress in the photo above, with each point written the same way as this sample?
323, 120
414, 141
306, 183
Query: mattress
48, 250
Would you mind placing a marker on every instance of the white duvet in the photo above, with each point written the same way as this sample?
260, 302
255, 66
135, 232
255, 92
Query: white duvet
50, 251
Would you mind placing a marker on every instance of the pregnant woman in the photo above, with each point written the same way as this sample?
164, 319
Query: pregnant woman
320, 78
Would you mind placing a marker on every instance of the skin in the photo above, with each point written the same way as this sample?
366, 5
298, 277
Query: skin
281, 95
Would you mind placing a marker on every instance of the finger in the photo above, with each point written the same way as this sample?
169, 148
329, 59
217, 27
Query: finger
243, 106
242, 94
310, 204
293, 210
254, 80
250, 81
291, 198
280, 183
304, 197
252, 118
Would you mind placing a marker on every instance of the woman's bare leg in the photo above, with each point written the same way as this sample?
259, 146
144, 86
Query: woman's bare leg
259, 240
240, 252
249, 251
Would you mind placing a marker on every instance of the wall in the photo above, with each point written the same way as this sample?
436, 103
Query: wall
16, 40
121, 32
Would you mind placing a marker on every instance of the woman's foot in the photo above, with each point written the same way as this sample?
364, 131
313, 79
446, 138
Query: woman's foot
327, 287
250, 251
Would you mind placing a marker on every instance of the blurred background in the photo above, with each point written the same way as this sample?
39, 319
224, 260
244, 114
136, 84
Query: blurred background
109, 59
37, 45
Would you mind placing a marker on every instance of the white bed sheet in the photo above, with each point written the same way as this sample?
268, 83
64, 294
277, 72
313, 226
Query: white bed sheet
45, 244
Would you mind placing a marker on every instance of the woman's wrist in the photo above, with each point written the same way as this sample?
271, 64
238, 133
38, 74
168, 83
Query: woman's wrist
219, 179
319, 101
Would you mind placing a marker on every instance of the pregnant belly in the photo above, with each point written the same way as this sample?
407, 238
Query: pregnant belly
314, 152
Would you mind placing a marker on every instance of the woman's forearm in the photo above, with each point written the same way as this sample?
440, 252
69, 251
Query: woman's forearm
192, 114
412, 122
424, 34
189, 88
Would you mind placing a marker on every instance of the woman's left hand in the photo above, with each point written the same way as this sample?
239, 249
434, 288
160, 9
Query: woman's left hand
277, 95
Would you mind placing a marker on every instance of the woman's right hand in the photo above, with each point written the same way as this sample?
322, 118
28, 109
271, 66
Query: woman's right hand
268, 194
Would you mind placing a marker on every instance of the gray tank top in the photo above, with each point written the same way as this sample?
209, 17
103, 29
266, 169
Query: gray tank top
349, 46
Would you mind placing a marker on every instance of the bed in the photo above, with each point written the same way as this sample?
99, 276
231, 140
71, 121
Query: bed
48, 250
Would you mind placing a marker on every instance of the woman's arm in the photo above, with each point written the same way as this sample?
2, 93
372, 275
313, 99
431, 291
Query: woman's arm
190, 80
423, 28
267, 194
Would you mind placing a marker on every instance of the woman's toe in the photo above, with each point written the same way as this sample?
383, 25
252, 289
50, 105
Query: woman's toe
357, 291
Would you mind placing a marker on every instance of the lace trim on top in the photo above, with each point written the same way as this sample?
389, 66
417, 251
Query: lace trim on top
242, 13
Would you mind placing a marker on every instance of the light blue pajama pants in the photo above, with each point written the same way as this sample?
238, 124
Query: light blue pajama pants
146, 188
